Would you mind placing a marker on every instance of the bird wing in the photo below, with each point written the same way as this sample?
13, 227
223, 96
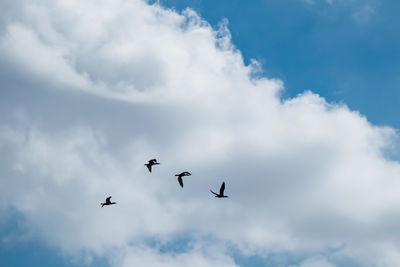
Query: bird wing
180, 181
186, 173
222, 189
152, 161
213, 192
108, 200
148, 167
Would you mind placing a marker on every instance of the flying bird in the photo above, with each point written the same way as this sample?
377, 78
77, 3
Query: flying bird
180, 177
221, 191
108, 202
151, 163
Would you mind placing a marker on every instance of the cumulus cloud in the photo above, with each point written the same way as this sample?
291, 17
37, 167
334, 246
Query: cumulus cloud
144, 256
92, 90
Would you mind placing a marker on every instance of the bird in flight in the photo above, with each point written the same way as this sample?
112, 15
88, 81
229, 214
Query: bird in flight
221, 191
151, 163
180, 177
108, 202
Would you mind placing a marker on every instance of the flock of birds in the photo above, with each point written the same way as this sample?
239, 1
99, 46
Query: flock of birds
149, 166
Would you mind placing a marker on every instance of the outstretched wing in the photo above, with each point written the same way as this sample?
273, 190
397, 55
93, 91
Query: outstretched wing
213, 192
108, 200
153, 161
222, 189
180, 181
148, 167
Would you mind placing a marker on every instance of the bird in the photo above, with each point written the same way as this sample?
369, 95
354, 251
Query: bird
108, 202
180, 177
221, 191
151, 163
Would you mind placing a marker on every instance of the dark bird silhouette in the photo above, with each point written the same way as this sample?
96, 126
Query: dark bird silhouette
180, 177
151, 163
221, 191
108, 202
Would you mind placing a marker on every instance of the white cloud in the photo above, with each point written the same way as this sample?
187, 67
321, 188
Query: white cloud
144, 256
137, 81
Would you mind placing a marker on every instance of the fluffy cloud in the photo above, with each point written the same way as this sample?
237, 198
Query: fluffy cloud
144, 256
91, 90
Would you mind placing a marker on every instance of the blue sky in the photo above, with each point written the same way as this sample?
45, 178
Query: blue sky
319, 47
87, 97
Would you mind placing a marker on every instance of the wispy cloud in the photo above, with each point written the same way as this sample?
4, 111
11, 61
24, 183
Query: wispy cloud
364, 14
362, 11
315, 1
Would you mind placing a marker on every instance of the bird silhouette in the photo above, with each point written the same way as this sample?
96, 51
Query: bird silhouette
180, 177
108, 202
221, 191
151, 163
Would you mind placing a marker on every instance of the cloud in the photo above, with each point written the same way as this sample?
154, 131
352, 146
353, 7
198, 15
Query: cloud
364, 14
361, 11
94, 89
312, 2
316, 262
144, 256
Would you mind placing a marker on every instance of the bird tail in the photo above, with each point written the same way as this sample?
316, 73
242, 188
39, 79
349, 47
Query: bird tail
214, 192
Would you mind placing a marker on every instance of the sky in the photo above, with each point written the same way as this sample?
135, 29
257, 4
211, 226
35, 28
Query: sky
291, 102
346, 51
